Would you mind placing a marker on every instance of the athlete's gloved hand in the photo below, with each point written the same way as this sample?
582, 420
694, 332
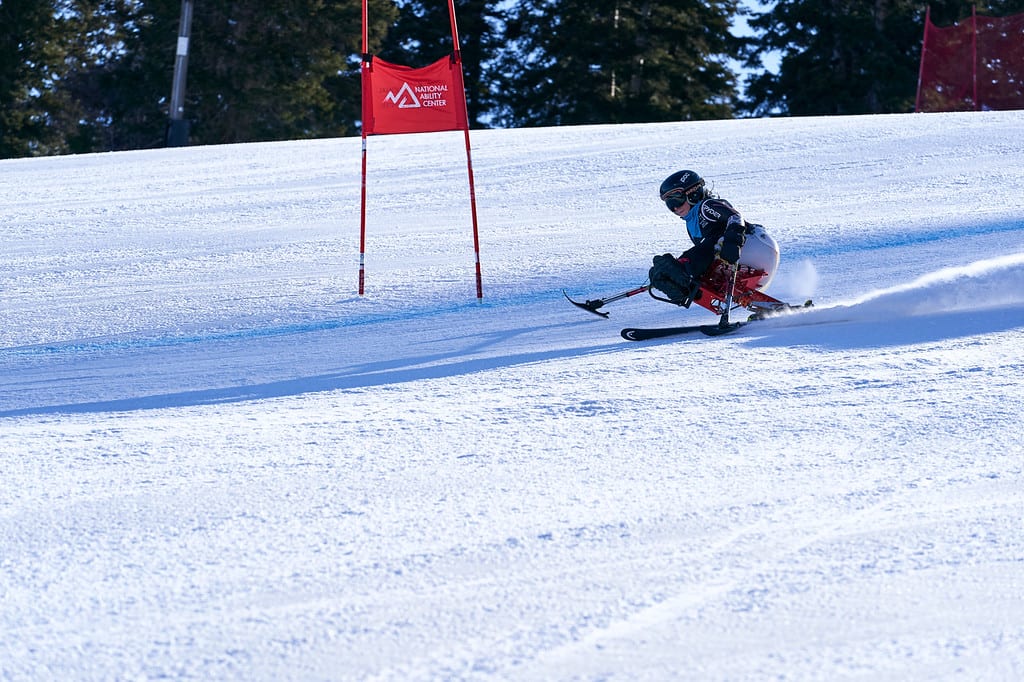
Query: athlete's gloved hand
732, 240
669, 276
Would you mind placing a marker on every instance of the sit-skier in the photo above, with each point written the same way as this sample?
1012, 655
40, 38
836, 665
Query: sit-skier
714, 226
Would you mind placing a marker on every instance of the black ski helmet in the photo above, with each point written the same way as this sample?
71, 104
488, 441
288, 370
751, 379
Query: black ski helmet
684, 185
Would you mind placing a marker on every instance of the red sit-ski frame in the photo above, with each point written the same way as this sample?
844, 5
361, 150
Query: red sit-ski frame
714, 287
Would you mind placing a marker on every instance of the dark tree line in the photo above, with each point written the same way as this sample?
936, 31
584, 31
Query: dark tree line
95, 75
847, 56
610, 61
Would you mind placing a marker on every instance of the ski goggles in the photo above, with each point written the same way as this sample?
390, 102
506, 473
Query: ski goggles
674, 198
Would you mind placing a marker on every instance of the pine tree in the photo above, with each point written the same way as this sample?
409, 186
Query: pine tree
49, 55
615, 61
838, 57
101, 31
273, 70
35, 110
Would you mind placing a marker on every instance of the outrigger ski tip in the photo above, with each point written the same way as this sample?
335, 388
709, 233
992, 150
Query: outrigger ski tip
589, 306
596, 304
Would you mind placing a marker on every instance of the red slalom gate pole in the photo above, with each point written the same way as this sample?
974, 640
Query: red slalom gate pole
469, 156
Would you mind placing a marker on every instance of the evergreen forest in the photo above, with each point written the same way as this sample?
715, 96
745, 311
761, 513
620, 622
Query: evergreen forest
82, 76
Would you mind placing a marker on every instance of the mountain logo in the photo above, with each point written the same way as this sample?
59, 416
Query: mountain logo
405, 98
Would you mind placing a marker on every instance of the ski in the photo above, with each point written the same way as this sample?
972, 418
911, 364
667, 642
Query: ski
719, 329
635, 334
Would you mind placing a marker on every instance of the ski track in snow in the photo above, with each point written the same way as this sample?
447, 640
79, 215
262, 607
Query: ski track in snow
221, 463
940, 298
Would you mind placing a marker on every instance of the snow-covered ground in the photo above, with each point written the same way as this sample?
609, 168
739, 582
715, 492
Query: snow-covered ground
219, 462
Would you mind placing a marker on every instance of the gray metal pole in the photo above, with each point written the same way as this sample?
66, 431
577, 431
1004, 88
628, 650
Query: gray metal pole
177, 128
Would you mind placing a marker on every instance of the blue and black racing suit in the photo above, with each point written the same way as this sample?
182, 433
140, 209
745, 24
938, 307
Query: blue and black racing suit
708, 222
716, 229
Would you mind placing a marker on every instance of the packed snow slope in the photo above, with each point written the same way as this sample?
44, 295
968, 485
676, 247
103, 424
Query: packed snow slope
220, 462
